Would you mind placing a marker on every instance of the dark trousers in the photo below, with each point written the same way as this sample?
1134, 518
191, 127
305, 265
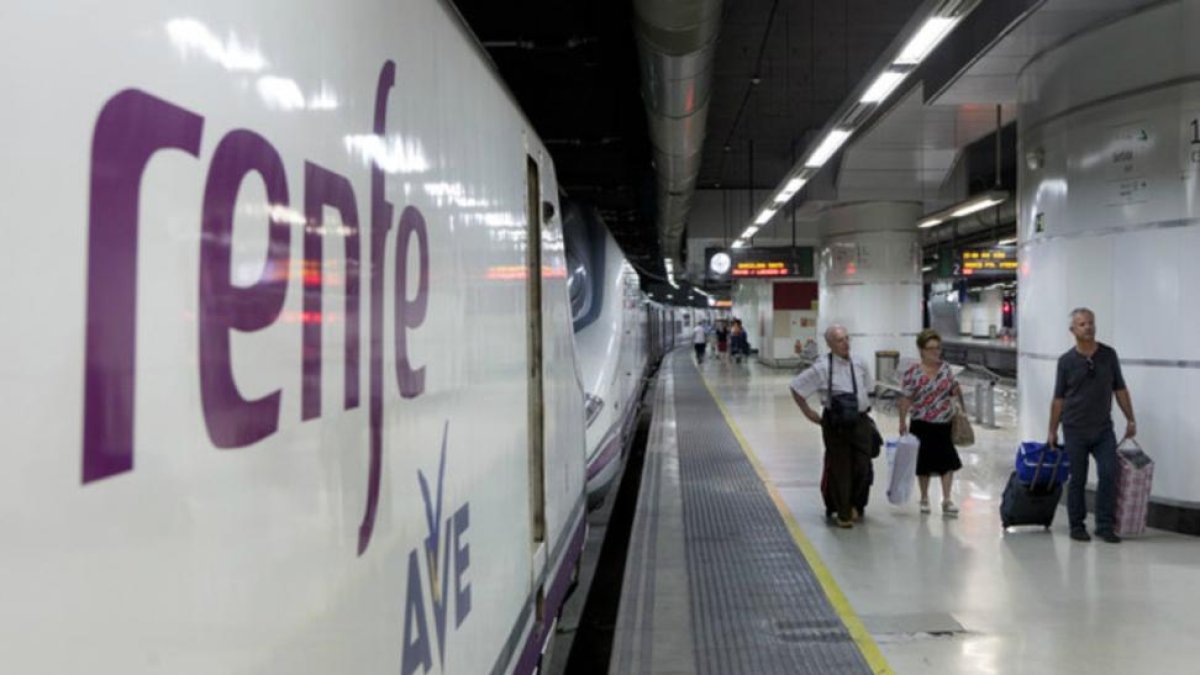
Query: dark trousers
847, 460
699, 350
1103, 446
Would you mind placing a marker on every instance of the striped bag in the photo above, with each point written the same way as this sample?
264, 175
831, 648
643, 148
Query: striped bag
1135, 474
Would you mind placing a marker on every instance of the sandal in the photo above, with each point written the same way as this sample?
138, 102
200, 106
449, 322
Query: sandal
925, 506
949, 509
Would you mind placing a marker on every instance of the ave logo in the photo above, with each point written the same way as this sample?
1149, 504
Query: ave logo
446, 554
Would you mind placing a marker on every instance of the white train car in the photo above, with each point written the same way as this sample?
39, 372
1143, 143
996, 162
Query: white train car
290, 382
616, 347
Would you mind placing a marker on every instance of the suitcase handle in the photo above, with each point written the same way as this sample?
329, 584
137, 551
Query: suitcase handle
1060, 451
1129, 440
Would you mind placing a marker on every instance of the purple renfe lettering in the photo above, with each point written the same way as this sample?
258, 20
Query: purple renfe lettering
381, 219
232, 420
130, 129
410, 313
322, 188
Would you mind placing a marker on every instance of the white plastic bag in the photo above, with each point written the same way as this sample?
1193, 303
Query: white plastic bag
902, 458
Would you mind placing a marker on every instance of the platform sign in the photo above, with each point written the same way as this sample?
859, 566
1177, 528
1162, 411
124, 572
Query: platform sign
995, 261
759, 263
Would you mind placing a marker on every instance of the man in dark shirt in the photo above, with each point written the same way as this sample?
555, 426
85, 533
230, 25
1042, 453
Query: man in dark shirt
1088, 377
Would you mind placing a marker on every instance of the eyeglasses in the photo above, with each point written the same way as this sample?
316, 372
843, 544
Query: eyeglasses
1091, 368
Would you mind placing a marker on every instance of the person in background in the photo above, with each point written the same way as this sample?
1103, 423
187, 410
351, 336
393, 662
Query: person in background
1088, 377
843, 383
722, 340
699, 341
738, 344
928, 390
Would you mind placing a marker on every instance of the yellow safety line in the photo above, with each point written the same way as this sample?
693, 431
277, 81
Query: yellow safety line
858, 632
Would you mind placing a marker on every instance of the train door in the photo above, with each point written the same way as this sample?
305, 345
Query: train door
537, 493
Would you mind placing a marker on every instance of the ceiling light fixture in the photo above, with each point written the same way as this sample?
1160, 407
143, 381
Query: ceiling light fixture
920, 36
935, 29
966, 207
883, 85
825, 150
979, 203
793, 186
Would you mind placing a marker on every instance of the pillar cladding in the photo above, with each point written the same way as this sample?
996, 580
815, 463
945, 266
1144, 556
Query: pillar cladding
870, 276
1109, 218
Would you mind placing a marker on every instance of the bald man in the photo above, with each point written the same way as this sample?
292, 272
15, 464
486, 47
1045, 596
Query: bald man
843, 383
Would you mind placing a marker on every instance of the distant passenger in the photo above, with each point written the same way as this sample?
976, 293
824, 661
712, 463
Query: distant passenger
928, 390
843, 383
739, 346
1087, 378
699, 341
722, 340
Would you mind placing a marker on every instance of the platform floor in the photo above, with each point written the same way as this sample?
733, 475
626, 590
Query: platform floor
960, 595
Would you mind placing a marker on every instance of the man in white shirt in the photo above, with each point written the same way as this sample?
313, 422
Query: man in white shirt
699, 341
845, 427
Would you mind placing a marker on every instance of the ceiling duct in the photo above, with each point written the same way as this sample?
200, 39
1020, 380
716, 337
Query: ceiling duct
676, 43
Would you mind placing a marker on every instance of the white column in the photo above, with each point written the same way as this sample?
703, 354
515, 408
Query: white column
1108, 219
870, 276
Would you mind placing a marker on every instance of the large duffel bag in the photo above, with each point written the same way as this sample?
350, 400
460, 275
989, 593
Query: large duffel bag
1046, 464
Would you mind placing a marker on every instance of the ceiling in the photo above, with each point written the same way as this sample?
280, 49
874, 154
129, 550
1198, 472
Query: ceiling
573, 68
781, 70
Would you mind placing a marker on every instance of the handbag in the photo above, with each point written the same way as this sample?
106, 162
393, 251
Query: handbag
843, 408
961, 433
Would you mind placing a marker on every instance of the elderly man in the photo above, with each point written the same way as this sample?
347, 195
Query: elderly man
843, 383
1088, 377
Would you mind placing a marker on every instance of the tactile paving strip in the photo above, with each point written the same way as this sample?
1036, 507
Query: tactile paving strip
757, 606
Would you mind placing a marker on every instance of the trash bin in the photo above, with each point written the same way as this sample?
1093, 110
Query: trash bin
886, 363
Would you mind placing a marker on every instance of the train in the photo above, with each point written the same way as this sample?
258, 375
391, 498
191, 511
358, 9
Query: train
306, 373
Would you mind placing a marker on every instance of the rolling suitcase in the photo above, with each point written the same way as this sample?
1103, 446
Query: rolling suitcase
1029, 505
1135, 474
1033, 502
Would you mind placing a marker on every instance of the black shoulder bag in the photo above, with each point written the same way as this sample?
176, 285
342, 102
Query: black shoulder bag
843, 408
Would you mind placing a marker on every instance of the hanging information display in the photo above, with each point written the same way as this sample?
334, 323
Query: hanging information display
995, 261
752, 263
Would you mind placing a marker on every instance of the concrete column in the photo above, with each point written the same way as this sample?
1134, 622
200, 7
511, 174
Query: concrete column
1109, 209
870, 276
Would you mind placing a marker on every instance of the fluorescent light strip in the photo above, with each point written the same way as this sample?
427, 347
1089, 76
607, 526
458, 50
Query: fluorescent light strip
825, 150
883, 85
931, 33
970, 208
764, 217
927, 223
793, 186
750, 232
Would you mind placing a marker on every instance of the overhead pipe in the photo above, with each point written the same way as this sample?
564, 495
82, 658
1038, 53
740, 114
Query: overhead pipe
676, 43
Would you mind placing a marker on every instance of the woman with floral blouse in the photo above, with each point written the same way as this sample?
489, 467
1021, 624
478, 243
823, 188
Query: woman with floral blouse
928, 392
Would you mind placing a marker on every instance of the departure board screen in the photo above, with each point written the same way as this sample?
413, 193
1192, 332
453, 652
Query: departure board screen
995, 261
759, 263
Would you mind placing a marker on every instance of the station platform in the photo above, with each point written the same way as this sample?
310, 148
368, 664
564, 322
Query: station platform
733, 569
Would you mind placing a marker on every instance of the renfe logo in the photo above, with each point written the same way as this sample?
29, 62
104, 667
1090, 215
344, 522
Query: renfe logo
132, 127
